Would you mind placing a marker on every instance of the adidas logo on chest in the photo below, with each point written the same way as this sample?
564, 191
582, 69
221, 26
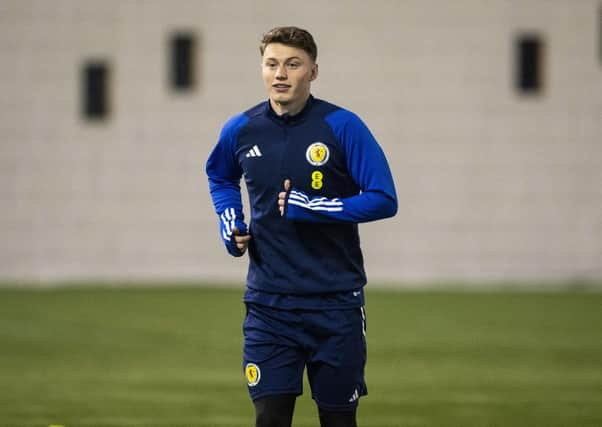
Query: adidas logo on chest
254, 152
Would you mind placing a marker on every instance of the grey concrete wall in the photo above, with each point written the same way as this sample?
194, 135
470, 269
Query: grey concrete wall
492, 185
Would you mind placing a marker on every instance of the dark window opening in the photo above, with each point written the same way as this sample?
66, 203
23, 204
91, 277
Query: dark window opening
529, 64
182, 54
95, 90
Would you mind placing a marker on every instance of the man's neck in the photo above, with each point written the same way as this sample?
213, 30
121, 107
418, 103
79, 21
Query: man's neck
290, 109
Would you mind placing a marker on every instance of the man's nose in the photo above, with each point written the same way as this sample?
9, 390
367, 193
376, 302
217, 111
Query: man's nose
281, 73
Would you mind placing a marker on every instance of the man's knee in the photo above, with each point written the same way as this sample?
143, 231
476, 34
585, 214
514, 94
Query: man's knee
274, 411
337, 418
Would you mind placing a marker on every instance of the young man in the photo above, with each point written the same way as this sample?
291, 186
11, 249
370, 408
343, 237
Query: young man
313, 172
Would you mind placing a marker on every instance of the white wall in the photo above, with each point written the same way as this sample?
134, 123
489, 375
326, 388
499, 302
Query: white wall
491, 185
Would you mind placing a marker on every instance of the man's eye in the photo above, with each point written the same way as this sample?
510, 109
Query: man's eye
294, 65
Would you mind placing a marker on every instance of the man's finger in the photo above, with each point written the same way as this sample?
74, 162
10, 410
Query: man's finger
243, 238
236, 232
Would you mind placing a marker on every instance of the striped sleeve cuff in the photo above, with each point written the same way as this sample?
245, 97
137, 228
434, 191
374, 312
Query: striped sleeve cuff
319, 209
228, 220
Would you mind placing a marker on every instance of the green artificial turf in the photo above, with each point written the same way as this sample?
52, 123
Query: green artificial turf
82, 356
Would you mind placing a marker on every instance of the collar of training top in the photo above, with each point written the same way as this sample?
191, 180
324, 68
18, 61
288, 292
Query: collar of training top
288, 118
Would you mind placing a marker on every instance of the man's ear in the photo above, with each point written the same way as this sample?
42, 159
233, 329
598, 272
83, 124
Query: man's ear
314, 73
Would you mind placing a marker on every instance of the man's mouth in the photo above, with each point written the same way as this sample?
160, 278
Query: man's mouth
280, 87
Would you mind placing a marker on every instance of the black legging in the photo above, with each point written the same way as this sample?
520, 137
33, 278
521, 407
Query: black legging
277, 411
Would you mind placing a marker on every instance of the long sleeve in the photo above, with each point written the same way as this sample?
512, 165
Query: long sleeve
224, 174
368, 168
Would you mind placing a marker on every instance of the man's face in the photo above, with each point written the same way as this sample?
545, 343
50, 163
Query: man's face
287, 73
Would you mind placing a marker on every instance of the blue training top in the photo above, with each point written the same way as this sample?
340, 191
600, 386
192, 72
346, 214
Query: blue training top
309, 258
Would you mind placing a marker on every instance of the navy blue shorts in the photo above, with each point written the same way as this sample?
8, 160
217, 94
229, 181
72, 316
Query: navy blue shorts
279, 344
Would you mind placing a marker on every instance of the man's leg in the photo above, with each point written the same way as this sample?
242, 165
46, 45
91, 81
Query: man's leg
337, 419
274, 411
273, 364
336, 368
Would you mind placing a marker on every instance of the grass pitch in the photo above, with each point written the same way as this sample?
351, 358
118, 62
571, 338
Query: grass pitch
172, 357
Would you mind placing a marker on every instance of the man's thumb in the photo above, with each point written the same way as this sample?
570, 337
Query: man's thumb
287, 184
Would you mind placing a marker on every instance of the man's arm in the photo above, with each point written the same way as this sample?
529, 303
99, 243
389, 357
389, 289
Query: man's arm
368, 167
224, 175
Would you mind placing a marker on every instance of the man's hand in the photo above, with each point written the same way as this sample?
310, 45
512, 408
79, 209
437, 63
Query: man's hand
283, 195
242, 240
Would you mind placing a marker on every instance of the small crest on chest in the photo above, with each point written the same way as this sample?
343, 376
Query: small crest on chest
317, 154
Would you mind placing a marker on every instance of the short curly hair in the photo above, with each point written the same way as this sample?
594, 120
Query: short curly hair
291, 36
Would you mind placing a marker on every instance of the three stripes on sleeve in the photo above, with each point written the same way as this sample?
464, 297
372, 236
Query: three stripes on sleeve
300, 199
228, 218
